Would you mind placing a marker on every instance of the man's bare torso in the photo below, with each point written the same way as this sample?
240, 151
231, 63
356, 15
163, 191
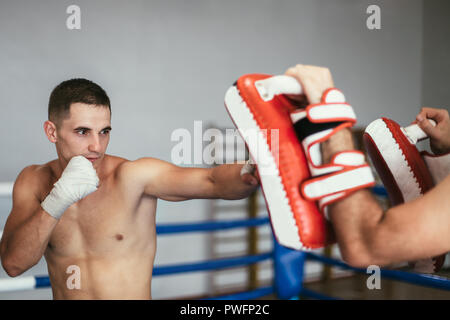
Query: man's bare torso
109, 236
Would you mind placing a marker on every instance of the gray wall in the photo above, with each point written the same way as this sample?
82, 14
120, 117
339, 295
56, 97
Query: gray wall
166, 64
436, 49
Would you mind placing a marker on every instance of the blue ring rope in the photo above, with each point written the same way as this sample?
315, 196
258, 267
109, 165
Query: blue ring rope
42, 282
210, 226
212, 264
431, 281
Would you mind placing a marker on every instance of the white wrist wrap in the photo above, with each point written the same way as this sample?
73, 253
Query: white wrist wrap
249, 167
78, 180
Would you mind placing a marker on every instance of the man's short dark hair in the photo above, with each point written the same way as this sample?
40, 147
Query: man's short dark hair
73, 91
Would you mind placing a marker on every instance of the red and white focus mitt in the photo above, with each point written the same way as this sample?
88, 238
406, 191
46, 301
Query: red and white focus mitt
405, 172
284, 143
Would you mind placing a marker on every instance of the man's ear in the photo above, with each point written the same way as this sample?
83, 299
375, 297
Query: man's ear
50, 131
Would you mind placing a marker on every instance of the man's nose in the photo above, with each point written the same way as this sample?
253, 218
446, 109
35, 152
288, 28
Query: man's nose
94, 143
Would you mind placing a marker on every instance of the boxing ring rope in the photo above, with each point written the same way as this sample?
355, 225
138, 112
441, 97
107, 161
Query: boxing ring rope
430, 281
6, 189
211, 226
278, 255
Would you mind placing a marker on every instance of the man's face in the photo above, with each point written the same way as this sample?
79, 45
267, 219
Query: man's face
86, 132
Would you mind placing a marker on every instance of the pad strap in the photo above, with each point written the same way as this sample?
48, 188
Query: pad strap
347, 170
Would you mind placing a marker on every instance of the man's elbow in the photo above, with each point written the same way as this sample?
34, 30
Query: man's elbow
12, 271
360, 255
364, 256
11, 268
358, 260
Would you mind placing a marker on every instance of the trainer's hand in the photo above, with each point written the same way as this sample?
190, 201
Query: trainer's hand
78, 180
314, 81
439, 134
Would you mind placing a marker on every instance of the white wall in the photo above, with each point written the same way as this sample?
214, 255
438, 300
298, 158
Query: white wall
166, 64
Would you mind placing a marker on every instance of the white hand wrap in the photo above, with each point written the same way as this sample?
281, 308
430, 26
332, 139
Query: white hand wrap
249, 167
78, 180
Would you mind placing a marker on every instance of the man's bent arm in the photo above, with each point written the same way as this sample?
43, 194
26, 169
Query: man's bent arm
366, 235
27, 230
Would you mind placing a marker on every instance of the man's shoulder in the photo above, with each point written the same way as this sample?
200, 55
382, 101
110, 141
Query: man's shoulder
142, 168
116, 162
35, 178
40, 172
134, 166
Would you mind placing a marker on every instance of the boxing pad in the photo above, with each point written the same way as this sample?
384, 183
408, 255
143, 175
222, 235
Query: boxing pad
405, 172
295, 197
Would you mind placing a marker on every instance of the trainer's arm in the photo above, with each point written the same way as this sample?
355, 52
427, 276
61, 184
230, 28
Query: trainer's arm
27, 230
169, 182
366, 235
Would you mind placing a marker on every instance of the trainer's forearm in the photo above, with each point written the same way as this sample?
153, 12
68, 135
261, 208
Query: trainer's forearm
23, 247
355, 219
228, 182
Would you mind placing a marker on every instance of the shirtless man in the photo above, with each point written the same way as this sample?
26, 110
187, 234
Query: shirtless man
97, 211
365, 234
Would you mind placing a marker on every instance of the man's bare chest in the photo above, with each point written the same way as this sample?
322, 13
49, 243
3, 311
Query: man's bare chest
103, 223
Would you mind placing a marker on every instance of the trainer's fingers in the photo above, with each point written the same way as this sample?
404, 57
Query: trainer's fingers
291, 72
428, 128
437, 115
295, 73
296, 97
298, 100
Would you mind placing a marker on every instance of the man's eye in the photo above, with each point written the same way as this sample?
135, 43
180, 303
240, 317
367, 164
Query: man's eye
105, 132
82, 132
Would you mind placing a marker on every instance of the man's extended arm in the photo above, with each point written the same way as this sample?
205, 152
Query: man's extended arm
167, 181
